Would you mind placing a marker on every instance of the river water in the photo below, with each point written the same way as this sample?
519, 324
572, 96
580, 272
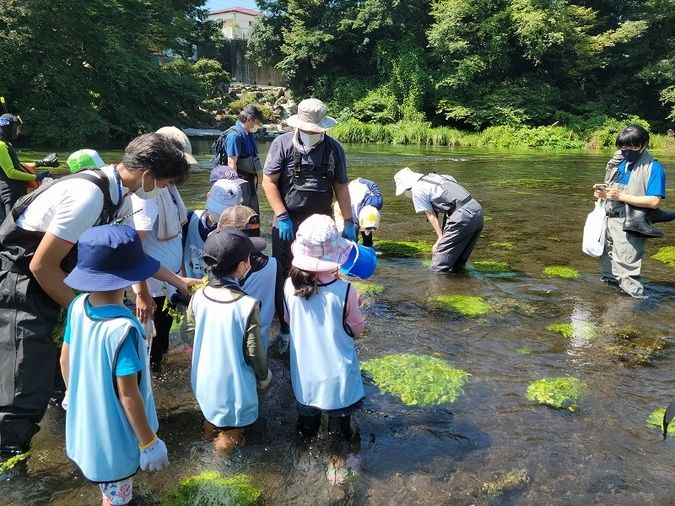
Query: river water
604, 453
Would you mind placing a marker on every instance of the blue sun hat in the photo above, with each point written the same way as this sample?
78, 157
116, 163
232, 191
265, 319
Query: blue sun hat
110, 257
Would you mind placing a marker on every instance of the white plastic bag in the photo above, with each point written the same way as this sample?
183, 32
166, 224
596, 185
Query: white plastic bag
595, 230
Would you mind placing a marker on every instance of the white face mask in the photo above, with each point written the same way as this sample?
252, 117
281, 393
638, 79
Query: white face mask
144, 194
243, 276
310, 139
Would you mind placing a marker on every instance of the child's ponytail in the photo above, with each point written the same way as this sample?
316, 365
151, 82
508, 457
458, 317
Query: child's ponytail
304, 282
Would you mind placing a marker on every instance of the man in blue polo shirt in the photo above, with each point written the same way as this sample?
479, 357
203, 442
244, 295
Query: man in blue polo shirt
638, 181
237, 149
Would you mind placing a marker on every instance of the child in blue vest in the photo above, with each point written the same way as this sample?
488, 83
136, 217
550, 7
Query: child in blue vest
229, 357
265, 281
324, 317
111, 422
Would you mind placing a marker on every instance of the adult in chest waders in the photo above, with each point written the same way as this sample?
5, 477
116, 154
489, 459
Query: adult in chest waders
36, 252
302, 171
15, 177
238, 150
462, 215
635, 185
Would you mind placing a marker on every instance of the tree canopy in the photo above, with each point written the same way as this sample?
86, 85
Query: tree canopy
91, 70
476, 63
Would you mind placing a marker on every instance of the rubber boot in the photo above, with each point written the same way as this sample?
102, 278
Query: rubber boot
636, 222
308, 425
660, 216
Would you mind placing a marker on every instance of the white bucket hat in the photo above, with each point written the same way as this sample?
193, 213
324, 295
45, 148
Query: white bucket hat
404, 179
312, 117
177, 135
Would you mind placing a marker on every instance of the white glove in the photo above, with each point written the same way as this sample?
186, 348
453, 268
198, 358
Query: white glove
154, 455
64, 402
282, 342
263, 384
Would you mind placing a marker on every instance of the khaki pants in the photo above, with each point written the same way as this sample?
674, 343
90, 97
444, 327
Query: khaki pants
622, 259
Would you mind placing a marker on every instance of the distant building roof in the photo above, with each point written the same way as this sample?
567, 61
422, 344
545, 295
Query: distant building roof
241, 10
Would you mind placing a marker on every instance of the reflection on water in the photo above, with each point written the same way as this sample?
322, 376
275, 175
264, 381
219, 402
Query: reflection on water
461, 453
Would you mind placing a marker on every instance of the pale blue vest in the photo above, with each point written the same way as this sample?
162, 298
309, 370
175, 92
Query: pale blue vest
325, 370
99, 437
193, 251
261, 285
224, 384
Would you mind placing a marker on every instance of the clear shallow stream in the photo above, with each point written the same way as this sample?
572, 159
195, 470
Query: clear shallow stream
604, 453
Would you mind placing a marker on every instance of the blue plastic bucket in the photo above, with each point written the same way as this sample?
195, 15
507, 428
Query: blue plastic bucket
361, 262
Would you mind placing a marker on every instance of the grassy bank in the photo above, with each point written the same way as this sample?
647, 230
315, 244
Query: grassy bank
551, 137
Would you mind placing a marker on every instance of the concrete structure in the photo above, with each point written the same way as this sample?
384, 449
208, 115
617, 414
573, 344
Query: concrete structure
236, 27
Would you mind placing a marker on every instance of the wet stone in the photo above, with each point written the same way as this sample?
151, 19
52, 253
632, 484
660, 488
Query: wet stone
634, 349
505, 482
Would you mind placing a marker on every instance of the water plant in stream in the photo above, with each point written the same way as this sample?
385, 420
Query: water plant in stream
583, 330
506, 246
666, 255
404, 249
210, 488
367, 288
656, 420
633, 348
559, 271
418, 380
491, 268
559, 393
466, 305
9, 464
505, 482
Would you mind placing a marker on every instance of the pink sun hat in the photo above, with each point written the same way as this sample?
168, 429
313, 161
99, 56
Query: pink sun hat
318, 245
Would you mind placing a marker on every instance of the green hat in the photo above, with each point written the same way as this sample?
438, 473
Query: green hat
84, 159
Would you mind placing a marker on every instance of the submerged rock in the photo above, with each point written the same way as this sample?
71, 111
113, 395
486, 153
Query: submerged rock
404, 249
635, 349
666, 255
210, 488
559, 271
466, 305
559, 393
505, 482
418, 380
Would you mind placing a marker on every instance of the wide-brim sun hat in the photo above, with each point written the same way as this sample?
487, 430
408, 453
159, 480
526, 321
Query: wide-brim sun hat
404, 179
312, 116
176, 134
318, 246
110, 257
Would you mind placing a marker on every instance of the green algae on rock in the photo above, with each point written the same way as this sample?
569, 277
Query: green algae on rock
656, 420
404, 249
466, 305
559, 271
666, 255
210, 488
635, 349
503, 245
491, 269
559, 393
367, 288
418, 380
9, 464
584, 330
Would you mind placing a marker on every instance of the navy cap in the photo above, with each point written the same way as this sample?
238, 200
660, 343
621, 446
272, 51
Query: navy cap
252, 110
227, 247
110, 257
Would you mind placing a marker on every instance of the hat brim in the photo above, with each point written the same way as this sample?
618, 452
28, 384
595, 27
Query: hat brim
325, 124
322, 264
88, 281
407, 182
258, 243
